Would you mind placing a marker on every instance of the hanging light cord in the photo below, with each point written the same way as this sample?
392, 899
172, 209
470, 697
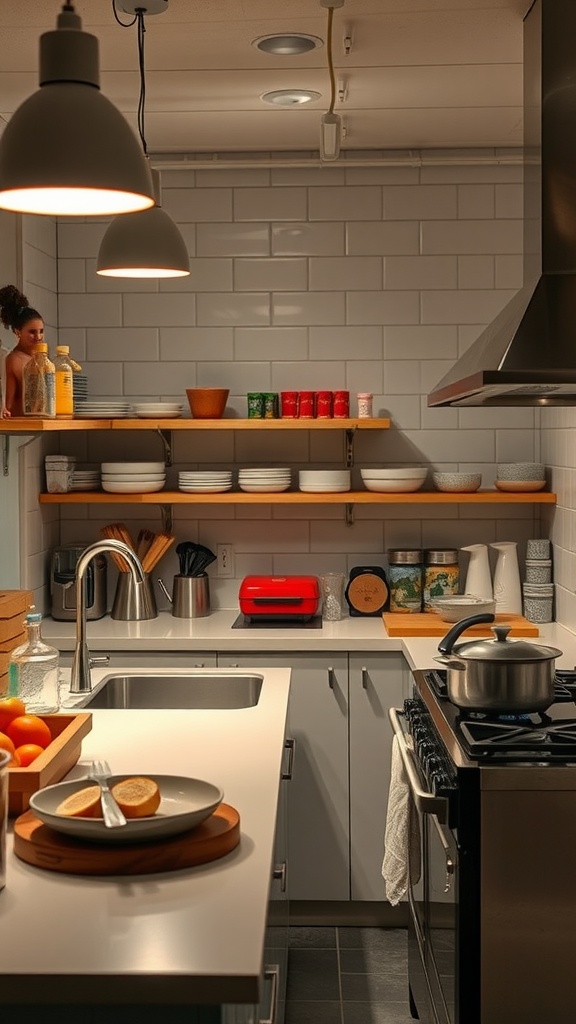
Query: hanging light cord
141, 67
125, 24
330, 62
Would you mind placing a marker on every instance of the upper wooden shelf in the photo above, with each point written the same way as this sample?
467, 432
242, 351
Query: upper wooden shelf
300, 498
29, 425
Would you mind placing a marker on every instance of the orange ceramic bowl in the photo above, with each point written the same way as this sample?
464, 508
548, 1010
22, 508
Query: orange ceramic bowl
207, 403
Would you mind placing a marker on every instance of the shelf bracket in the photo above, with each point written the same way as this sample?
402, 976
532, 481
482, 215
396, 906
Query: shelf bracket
350, 447
5, 454
349, 513
166, 438
166, 513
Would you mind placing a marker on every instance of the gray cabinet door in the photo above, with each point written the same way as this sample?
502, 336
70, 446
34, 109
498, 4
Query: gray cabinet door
377, 682
318, 800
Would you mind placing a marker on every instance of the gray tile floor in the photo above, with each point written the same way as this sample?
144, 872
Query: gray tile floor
347, 976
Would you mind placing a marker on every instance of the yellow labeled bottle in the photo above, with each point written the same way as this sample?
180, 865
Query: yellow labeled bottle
64, 384
39, 384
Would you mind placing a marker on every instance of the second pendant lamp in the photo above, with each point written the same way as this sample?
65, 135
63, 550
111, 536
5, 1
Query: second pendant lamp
144, 244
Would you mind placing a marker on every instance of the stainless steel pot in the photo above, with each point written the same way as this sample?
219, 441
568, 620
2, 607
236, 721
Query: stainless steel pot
497, 675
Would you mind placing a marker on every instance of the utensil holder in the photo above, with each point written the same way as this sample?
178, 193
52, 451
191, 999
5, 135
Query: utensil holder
191, 596
133, 601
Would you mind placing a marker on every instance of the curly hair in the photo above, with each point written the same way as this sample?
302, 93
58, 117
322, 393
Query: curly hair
14, 309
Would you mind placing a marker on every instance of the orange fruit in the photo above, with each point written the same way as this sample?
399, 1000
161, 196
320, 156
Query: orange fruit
28, 752
7, 744
29, 729
10, 707
84, 803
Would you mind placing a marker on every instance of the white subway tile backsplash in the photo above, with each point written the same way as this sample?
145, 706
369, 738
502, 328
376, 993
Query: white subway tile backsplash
388, 307
382, 175
364, 375
158, 310
270, 274
346, 343
307, 239
345, 273
221, 309
394, 238
419, 202
338, 537
270, 204
198, 205
472, 236
308, 308
421, 272
420, 342
71, 275
309, 376
206, 275
465, 306
273, 343
121, 344
509, 271
196, 343
156, 379
91, 311
240, 378
352, 202
510, 200
400, 377
476, 271
80, 239
476, 201
233, 240
322, 175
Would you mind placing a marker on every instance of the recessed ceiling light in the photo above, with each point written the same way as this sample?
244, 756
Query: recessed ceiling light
287, 44
290, 97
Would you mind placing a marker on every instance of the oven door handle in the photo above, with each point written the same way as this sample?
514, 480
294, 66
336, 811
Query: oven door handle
425, 801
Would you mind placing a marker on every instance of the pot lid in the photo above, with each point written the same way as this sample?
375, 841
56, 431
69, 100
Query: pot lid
500, 648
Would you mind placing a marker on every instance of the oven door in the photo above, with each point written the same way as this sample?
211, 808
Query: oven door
432, 894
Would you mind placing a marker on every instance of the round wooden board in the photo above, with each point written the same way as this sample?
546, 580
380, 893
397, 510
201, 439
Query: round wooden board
367, 593
38, 844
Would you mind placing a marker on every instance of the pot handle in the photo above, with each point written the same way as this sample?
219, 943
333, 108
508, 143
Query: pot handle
447, 643
459, 666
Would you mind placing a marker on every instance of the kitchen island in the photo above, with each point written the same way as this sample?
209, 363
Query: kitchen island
182, 940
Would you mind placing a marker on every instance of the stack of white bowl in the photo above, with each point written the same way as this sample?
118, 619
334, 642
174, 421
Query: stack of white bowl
133, 477
324, 481
260, 481
399, 480
85, 480
205, 481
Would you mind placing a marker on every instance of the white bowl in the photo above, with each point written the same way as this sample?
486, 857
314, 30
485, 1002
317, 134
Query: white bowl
131, 488
393, 486
267, 488
399, 473
133, 467
461, 606
325, 488
185, 803
133, 478
324, 476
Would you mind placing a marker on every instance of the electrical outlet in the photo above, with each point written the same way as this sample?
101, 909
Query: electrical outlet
225, 557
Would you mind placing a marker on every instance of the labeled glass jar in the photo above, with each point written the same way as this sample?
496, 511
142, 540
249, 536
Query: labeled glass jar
441, 575
405, 579
365, 399
39, 384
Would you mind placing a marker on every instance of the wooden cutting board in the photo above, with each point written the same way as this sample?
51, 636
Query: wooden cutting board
41, 846
430, 624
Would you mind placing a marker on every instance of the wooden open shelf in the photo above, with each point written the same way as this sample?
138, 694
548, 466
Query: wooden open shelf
29, 425
300, 498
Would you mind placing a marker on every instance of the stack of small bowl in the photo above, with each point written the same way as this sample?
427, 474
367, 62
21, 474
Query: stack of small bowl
205, 481
398, 480
133, 477
520, 476
324, 481
260, 481
538, 589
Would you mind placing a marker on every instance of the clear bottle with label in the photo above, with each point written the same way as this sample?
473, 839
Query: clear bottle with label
33, 671
39, 384
64, 383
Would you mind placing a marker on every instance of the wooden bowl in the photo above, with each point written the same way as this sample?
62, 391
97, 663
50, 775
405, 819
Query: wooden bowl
207, 403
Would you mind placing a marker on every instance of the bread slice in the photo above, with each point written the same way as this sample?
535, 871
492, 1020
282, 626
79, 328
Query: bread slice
137, 797
84, 803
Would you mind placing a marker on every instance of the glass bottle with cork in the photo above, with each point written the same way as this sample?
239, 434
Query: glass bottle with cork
33, 670
39, 384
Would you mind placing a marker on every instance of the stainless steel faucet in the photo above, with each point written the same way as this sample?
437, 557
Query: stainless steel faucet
80, 681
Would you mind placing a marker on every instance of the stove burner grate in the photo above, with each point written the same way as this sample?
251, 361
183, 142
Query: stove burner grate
550, 740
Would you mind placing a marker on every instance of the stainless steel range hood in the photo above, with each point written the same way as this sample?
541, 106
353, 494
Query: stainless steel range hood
527, 356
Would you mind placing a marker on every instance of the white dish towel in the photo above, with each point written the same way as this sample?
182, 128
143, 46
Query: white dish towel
402, 834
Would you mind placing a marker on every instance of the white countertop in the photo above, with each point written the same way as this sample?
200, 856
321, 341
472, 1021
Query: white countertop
184, 936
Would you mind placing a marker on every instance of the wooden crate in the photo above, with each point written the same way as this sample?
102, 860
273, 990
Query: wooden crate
53, 764
14, 604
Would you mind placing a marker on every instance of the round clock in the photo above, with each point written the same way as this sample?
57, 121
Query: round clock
367, 590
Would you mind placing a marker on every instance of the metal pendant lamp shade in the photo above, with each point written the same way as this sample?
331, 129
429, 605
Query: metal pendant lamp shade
146, 244
90, 162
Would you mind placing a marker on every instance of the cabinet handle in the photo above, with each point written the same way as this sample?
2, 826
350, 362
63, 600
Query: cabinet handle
331, 677
279, 874
199, 664
271, 973
290, 746
365, 677
233, 664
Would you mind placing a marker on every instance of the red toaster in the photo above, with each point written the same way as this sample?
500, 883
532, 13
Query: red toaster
288, 598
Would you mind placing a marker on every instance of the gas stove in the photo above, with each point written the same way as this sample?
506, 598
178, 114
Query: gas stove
544, 737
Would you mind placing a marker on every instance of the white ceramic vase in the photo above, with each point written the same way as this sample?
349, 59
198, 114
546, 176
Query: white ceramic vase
478, 578
507, 586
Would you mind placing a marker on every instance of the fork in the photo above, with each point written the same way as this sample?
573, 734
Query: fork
113, 816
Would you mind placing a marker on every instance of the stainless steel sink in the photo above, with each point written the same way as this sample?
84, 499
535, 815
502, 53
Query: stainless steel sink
221, 691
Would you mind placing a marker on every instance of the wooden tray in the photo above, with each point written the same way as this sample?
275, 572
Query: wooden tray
52, 765
430, 624
41, 846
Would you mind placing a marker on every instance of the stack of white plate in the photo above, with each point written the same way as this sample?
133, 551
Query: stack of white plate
155, 410
79, 387
133, 477
399, 480
328, 481
102, 410
261, 481
85, 480
205, 481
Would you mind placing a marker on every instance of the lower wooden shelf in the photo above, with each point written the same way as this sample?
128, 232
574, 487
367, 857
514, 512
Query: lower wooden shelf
300, 498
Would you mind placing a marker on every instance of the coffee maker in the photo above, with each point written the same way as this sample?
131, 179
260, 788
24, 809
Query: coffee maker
63, 583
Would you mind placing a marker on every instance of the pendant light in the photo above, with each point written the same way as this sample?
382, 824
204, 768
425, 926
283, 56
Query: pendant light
330, 123
90, 163
147, 243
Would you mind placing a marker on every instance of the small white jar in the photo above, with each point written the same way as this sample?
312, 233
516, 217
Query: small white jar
364, 404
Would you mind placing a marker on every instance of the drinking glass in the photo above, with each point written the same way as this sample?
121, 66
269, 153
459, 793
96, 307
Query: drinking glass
332, 587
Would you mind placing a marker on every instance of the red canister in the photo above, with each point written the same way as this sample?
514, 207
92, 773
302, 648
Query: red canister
341, 404
324, 405
306, 405
289, 404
